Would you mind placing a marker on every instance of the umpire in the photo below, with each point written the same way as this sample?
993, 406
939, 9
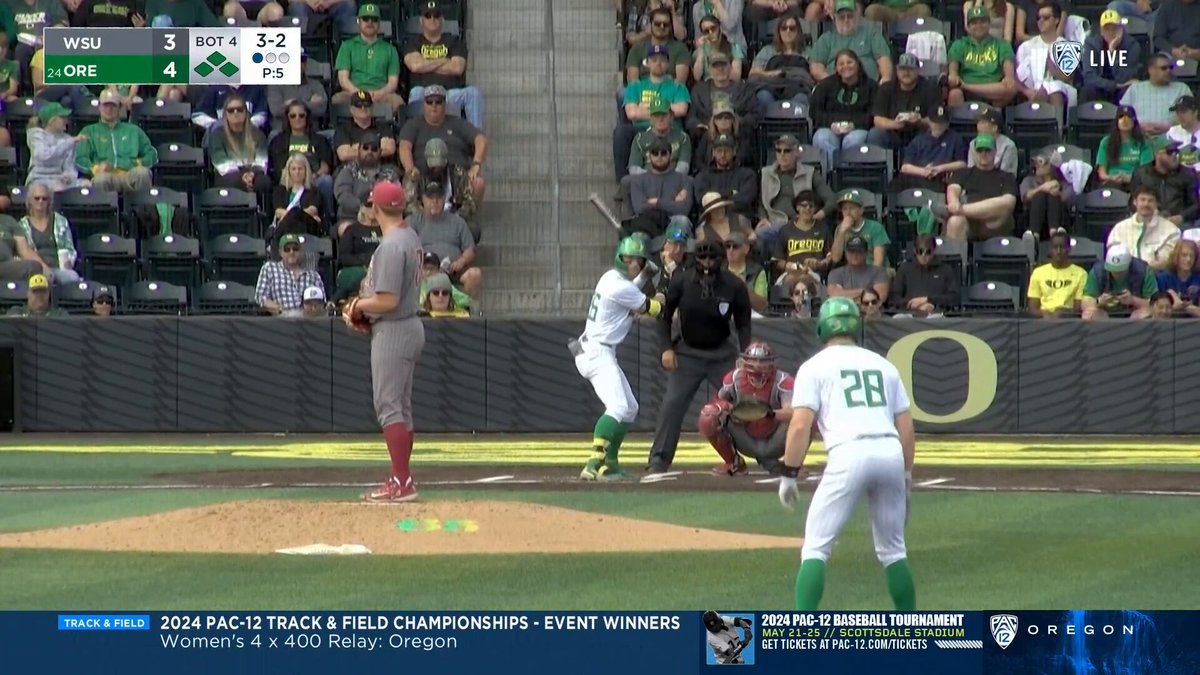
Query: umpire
706, 296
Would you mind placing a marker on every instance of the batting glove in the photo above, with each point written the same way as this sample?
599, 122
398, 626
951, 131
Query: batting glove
789, 492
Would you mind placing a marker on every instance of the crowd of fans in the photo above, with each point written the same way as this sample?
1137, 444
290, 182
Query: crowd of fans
375, 103
742, 121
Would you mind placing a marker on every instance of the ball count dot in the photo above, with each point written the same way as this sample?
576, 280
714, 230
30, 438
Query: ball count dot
284, 57
257, 58
270, 58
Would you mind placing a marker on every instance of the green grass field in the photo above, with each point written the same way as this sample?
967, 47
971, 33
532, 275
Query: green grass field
968, 550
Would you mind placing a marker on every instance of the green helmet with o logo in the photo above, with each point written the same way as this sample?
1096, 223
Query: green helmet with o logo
632, 246
838, 316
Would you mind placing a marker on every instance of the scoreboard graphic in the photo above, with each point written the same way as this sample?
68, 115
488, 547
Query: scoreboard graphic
101, 56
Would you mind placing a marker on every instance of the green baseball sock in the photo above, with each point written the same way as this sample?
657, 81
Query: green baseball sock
607, 437
900, 585
810, 584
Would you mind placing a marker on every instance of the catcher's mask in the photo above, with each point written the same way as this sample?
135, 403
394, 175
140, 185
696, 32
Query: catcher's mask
758, 362
712, 622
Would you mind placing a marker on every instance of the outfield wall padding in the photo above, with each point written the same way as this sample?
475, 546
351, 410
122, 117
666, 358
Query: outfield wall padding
233, 374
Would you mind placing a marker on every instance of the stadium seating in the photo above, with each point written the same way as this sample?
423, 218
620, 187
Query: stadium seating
226, 211
1084, 252
1097, 211
90, 211
12, 294
1091, 121
181, 167
863, 166
110, 259
165, 121
991, 298
1007, 259
1034, 125
225, 297
77, 298
172, 258
156, 297
235, 257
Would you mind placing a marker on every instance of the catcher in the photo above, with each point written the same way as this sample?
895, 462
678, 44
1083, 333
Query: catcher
723, 636
750, 414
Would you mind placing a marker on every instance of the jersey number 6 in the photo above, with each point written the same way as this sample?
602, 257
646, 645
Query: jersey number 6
864, 389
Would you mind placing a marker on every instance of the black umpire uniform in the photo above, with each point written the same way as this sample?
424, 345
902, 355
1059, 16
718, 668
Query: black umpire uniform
706, 296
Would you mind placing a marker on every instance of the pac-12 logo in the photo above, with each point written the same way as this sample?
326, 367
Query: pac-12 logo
1066, 55
1004, 629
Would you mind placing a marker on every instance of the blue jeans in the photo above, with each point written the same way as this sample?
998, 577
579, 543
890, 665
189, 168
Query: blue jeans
831, 146
467, 99
344, 15
886, 139
764, 99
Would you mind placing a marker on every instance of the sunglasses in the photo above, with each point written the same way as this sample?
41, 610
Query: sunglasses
103, 301
661, 24
39, 199
924, 251
436, 100
291, 248
297, 115
705, 256
369, 19
789, 28
230, 111
659, 153
870, 303
708, 30
439, 291
730, 245
431, 15
370, 148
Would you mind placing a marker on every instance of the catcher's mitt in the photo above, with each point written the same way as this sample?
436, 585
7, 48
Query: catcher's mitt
750, 410
354, 318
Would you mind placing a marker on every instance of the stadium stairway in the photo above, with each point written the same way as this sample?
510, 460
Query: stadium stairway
528, 75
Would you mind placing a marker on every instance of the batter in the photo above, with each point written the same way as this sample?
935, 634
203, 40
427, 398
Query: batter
615, 302
859, 401
386, 309
755, 379
724, 639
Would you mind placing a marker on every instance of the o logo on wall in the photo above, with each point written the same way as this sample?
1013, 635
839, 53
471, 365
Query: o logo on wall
981, 372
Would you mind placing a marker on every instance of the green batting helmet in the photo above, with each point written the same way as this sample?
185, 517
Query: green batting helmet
838, 316
632, 246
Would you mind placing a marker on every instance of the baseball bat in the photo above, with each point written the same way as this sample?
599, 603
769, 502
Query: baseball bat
604, 210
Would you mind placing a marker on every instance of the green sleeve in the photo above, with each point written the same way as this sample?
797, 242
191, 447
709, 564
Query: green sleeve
685, 148
879, 45
637, 54
1145, 156
9, 24
1005, 51
147, 154
1091, 287
637, 158
760, 284
342, 62
678, 54
956, 51
1149, 285
1102, 154
879, 236
680, 94
83, 154
633, 93
819, 52
206, 16
763, 57
56, 13
394, 64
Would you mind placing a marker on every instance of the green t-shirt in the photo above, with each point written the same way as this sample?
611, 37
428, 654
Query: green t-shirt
867, 42
676, 52
1131, 156
645, 91
183, 13
980, 62
30, 20
8, 72
1091, 288
875, 234
23, 310
370, 64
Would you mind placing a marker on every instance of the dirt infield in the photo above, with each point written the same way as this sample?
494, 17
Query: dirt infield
444, 527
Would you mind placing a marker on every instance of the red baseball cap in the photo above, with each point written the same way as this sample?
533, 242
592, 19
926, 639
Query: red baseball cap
388, 195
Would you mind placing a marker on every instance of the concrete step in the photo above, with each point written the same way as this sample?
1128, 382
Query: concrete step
526, 277
537, 145
599, 17
506, 125
534, 37
575, 256
495, 16
524, 189
536, 164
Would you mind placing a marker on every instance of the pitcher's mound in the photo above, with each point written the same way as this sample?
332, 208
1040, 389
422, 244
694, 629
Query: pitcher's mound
426, 528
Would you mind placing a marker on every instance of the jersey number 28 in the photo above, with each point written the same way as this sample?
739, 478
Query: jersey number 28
864, 388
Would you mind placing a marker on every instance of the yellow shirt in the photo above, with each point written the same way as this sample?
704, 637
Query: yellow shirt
1057, 288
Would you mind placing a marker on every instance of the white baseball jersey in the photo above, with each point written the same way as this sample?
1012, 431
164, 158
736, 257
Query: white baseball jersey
611, 313
723, 642
854, 392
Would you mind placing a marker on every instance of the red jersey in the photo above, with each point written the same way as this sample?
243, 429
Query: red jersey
775, 392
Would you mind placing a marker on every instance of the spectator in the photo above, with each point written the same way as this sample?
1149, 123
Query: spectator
118, 155
841, 108
253, 13
103, 302
180, 14
1047, 195
640, 94
212, 104
1175, 186
1161, 306
925, 286
784, 179
109, 14
931, 157
638, 13
30, 18
727, 12
49, 235
340, 12
1001, 16
367, 63
870, 304
439, 302
297, 203
1120, 283
853, 223
52, 149
1122, 151
310, 92
1038, 78
801, 295
281, 283
890, 11
18, 260
66, 94
357, 241
988, 124
711, 42
822, 11
981, 65
1177, 29
903, 105
725, 123
314, 305
638, 65
780, 69
237, 150
1056, 288
849, 280
765, 11
446, 234
725, 176
1180, 280
432, 266
661, 127
37, 300
980, 201
10, 71
1187, 132
671, 257
301, 137
453, 179
434, 57
1104, 80
738, 262
362, 123
1026, 22
851, 34
802, 247
1146, 234
466, 145
719, 90
718, 224
661, 197
354, 181
1153, 98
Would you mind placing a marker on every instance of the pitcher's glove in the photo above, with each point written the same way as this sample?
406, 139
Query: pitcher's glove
355, 319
